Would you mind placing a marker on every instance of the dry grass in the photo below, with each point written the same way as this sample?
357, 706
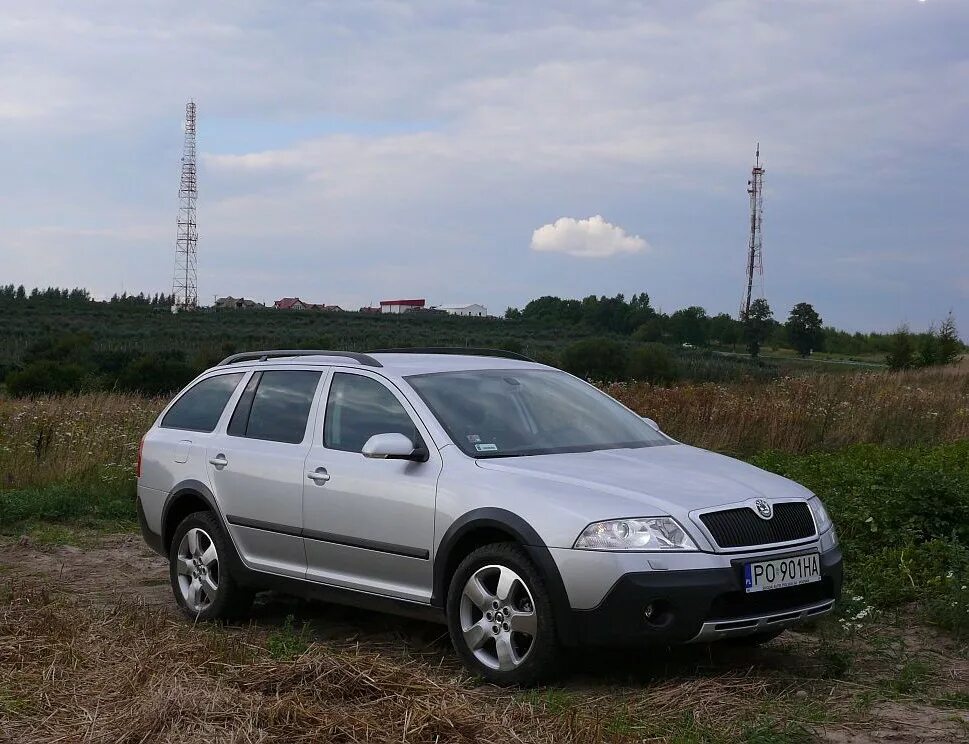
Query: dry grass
79, 671
61, 438
46, 440
809, 413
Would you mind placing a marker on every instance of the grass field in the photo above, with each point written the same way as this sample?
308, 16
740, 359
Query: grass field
90, 650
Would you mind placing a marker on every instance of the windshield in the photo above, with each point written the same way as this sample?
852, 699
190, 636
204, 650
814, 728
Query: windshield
510, 413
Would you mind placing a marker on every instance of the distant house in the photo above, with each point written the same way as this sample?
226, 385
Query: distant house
396, 307
289, 303
475, 310
373, 310
295, 303
233, 303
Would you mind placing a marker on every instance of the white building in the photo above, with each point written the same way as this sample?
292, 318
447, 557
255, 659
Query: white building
478, 311
395, 307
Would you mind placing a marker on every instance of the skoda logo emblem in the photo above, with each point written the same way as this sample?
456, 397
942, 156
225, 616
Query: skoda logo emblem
764, 509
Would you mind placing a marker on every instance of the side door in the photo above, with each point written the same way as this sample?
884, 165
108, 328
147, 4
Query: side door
256, 467
368, 523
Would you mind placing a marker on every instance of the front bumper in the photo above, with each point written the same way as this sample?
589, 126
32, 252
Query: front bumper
702, 605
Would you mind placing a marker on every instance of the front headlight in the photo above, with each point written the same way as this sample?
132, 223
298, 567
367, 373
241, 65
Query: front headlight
821, 517
642, 533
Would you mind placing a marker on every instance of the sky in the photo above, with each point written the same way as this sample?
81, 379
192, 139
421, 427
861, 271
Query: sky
494, 152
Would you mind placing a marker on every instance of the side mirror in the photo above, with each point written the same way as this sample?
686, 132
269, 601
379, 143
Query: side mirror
652, 423
392, 447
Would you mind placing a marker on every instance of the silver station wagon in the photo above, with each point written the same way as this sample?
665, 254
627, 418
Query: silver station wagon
520, 505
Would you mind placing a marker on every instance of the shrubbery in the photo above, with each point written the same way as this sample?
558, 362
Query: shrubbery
903, 519
602, 360
44, 377
651, 363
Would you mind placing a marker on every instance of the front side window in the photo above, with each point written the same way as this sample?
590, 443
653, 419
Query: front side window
275, 406
359, 407
201, 406
510, 412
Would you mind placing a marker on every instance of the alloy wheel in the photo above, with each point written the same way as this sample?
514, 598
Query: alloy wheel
498, 619
198, 569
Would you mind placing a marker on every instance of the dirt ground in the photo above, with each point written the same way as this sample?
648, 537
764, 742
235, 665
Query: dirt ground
121, 568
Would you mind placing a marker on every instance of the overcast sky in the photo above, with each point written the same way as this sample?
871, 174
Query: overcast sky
493, 152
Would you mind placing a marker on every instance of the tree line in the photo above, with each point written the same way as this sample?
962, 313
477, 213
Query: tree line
604, 338
10, 294
937, 347
803, 330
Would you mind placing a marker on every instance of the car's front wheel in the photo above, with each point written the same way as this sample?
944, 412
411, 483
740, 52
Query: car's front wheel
500, 616
199, 570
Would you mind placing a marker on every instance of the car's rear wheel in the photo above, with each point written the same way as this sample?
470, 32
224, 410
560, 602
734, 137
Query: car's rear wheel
200, 571
500, 616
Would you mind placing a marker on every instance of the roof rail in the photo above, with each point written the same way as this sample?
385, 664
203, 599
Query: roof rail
262, 356
468, 350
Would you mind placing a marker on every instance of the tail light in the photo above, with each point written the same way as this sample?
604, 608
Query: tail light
141, 447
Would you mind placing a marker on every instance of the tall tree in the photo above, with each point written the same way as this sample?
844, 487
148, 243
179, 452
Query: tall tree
901, 355
804, 329
757, 325
928, 353
689, 325
948, 345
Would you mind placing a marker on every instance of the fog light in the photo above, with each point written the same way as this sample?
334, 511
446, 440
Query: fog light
658, 614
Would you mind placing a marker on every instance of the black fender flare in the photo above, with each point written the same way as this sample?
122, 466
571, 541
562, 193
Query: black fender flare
243, 574
185, 488
526, 536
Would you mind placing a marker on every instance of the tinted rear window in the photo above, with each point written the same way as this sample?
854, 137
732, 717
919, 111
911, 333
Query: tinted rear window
201, 406
281, 406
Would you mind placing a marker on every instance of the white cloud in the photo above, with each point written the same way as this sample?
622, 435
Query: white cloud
589, 238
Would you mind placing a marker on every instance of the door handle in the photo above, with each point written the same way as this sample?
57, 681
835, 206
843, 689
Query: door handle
318, 476
219, 461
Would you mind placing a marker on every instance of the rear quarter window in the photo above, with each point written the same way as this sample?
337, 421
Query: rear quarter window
276, 406
200, 407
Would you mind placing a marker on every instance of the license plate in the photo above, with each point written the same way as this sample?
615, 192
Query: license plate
782, 572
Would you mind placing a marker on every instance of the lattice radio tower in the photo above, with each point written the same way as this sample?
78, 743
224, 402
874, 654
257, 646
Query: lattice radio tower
755, 261
185, 283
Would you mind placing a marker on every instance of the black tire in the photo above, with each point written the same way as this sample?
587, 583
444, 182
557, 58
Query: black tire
231, 600
754, 639
541, 658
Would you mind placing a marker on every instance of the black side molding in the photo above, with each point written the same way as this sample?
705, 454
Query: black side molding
354, 542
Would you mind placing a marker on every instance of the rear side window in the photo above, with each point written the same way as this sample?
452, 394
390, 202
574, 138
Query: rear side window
201, 406
358, 408
275, 406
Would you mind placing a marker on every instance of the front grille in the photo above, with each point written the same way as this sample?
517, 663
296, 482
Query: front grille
732, 605
741, 528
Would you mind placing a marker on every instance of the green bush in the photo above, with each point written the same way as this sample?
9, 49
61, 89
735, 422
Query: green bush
599, 359
887, 497
156, 375
902, 516
651, 363
45, 377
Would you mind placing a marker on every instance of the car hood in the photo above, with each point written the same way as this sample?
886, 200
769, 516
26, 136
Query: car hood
673, 478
